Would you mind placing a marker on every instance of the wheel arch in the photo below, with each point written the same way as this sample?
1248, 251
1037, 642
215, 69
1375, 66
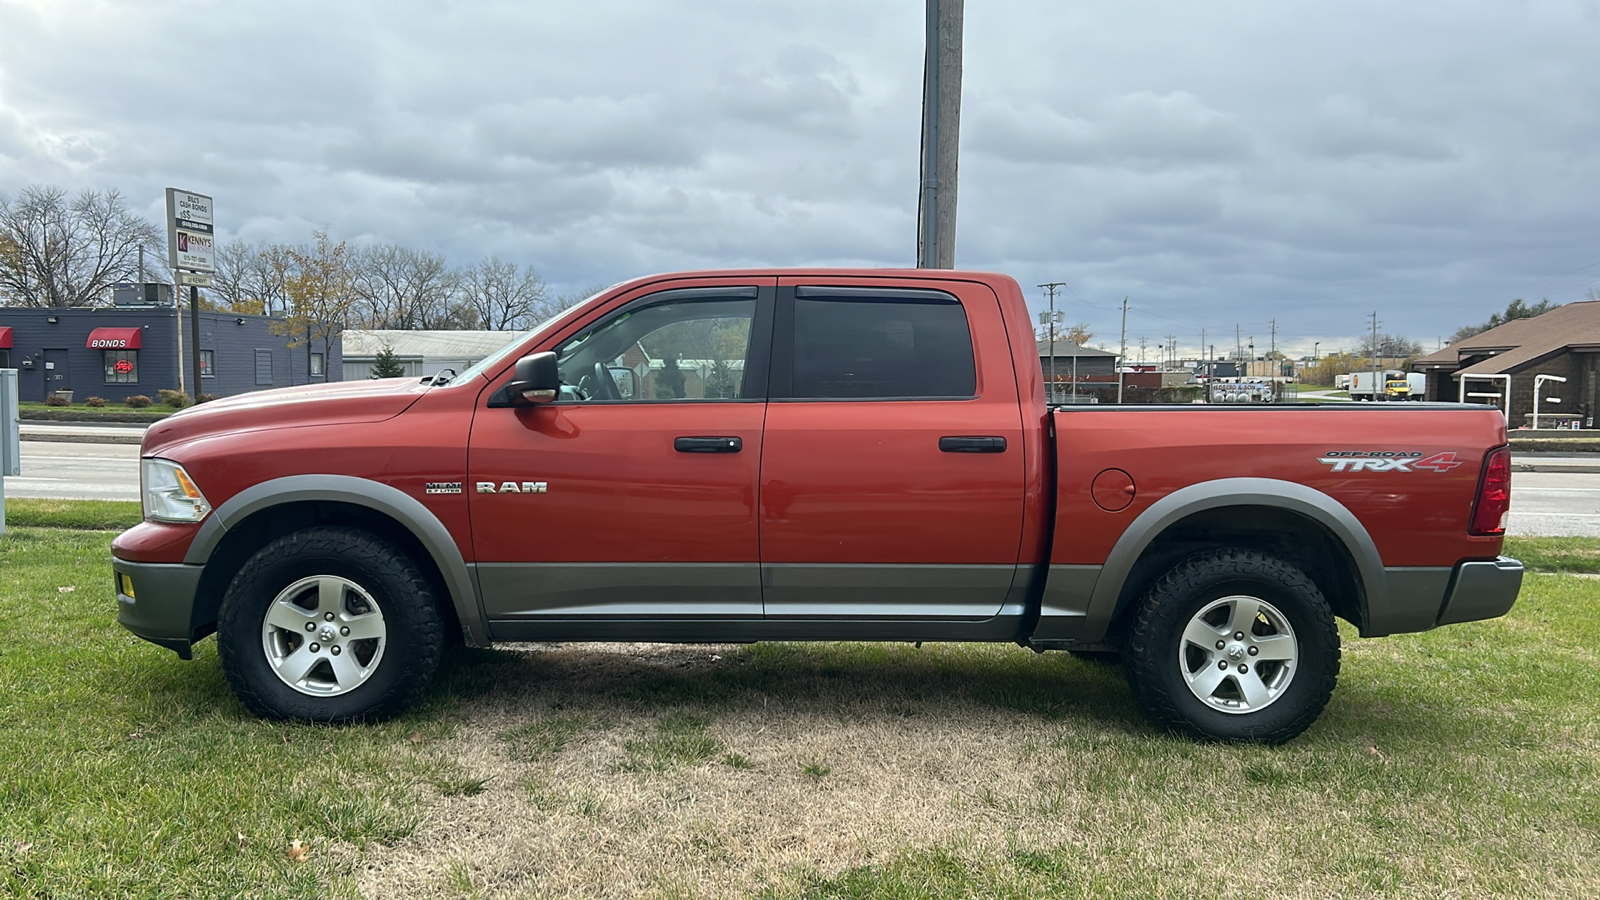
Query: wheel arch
256, 515
1299, 524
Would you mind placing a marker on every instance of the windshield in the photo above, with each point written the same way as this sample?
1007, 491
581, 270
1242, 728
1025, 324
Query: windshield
495, 359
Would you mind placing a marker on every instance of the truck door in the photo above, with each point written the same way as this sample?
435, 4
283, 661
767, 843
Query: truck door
892, 470
632, 498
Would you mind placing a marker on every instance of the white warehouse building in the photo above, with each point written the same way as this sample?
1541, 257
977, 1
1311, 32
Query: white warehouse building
420, 352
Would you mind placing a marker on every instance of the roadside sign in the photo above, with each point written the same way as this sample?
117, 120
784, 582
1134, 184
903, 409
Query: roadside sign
194, 278
10, 449
191, 241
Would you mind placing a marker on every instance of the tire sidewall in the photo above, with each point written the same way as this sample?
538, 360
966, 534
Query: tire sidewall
386, 575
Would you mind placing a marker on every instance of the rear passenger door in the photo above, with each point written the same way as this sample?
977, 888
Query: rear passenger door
892, 472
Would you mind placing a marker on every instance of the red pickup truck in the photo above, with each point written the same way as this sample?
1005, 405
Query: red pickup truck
805, 455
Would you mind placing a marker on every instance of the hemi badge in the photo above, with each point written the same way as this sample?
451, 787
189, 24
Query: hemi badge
443, 487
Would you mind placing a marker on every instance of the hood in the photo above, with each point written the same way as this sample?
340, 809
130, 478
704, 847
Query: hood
312, 404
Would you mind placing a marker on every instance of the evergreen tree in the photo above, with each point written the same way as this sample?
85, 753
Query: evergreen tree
669, 384
1518, 309
386, 365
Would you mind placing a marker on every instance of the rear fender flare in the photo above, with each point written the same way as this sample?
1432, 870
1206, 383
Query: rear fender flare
390, 501
1106, 602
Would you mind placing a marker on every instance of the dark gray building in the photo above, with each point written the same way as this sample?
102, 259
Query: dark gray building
120, 351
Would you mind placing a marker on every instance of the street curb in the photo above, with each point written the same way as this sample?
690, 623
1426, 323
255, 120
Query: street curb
134, 439
1578, 468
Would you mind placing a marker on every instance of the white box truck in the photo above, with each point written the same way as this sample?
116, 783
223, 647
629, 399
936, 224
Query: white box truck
1390, 385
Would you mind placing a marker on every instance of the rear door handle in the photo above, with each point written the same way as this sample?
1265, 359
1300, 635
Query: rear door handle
961, 444
707, 444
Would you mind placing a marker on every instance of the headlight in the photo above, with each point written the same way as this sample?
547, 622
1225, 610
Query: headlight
170, 494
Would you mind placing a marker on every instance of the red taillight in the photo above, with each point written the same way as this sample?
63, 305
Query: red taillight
1494, 494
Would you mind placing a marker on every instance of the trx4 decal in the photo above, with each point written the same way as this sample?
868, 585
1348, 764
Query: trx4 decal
1388, 461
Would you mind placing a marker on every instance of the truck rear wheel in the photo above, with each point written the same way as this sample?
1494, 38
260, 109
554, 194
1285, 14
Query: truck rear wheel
328, 624
1233, 645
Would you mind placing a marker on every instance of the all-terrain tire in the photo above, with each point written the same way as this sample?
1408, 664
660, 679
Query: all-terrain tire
372, 632
1233, 645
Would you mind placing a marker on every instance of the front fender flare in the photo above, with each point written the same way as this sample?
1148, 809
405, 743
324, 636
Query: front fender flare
390, 501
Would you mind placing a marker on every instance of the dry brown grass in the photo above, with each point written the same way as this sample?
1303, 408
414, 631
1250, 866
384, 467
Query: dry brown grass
881, 770
580, 821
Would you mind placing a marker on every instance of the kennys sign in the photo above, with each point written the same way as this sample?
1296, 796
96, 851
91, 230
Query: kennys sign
191, 242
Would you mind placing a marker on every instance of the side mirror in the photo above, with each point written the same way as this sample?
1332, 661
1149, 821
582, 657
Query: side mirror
627, 381
535, 381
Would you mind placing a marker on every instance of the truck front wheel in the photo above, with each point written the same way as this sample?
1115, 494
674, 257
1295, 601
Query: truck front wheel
1234, 645
328, 624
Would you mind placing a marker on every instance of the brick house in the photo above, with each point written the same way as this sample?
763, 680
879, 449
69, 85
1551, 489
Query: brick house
1564, 341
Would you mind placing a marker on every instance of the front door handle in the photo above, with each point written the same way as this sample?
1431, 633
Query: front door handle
707, 444
974, 444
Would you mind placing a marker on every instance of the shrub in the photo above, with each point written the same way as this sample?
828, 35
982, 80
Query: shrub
57, 400
137, 401
174, 399
205, 398
96, 402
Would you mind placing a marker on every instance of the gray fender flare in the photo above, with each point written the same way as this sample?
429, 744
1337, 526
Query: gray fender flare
392, 502
1226, 492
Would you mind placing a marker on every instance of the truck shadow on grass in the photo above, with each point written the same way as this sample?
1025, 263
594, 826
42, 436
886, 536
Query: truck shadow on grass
849, 679
845, 681
865, 681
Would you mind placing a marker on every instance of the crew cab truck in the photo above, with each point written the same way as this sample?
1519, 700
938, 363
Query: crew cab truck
738, 456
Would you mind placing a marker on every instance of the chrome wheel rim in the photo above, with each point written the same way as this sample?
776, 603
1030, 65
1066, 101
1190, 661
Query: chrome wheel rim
1238, 654
324, 635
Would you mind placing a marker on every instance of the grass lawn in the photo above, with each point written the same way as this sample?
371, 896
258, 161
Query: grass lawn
153, 411
1461, 762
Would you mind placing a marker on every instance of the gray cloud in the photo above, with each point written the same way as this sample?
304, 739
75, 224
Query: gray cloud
1217, 163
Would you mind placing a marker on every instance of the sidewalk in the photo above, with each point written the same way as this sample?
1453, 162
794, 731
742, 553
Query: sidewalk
1552, 462
100, 433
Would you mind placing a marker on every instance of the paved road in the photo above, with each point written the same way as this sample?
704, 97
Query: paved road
77, 471
1555, 503
1561, 497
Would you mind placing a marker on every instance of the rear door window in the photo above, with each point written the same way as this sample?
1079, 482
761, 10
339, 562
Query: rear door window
889, 345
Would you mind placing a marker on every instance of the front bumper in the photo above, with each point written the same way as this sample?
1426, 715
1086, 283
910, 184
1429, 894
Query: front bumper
156, 602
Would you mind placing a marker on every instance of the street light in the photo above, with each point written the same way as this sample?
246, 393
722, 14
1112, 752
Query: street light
1314, 346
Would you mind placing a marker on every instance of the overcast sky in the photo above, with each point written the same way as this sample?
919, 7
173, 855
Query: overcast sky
1217, 163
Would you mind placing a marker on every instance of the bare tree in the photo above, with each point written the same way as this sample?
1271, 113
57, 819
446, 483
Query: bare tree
252, 278
58, 252
505, 297
267, 283
397, 287
1390, 346
229, 284
318, 291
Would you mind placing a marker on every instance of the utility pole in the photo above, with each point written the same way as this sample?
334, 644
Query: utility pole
941, 129
1123, 356
1051, 288
1141, 349
177, 308
1377, 383
1277, 370
1207, 362
194, 332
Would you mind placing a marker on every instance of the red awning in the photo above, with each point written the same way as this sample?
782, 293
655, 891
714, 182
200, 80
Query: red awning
114, 339
5, 337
